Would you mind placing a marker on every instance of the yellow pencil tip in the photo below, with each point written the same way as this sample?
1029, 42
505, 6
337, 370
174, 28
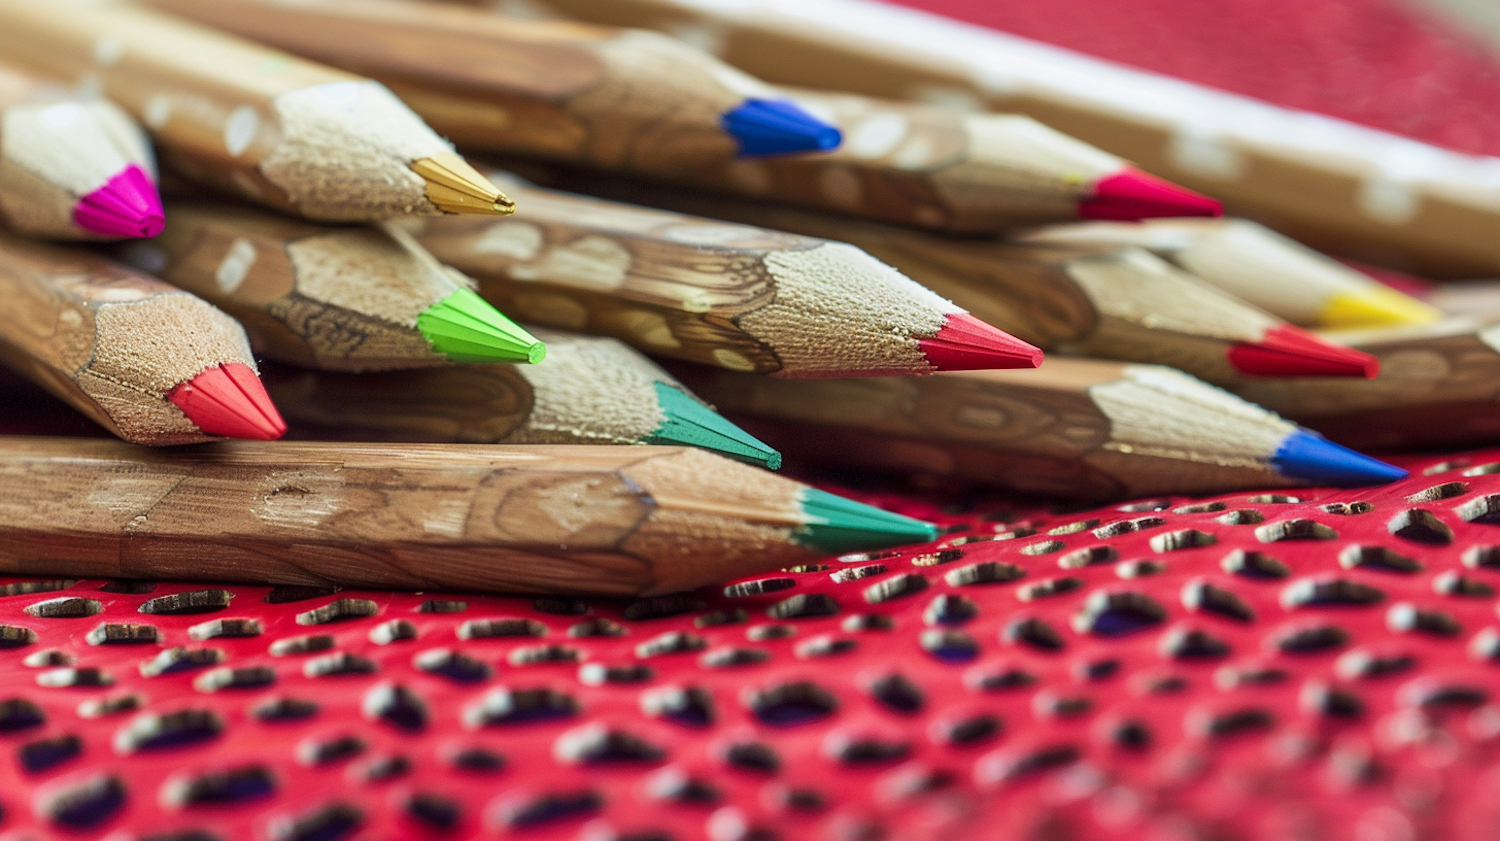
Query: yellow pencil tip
1376, 307
456, 187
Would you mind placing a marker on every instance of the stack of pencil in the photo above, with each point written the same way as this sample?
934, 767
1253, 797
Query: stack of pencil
857, 275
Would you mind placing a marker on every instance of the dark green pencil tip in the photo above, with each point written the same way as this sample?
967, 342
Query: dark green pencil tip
837, 525
464, 328
694, 424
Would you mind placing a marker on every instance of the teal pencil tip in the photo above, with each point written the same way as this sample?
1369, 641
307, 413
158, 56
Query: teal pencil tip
464, 328
837, 525
695, 425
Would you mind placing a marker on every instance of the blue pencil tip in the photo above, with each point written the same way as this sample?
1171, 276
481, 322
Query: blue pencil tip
778, 127
1309, 456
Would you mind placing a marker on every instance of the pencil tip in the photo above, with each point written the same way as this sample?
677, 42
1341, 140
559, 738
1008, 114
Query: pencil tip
465, 328
1286, 351
1376, 307
127, 206
778, 127
455, 187
1308, 456
964, 343
1133, 195
838, 525
229, 400
693, 424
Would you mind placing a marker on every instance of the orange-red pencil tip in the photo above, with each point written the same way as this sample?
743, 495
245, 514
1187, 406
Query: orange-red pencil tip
229, 400
967, 344
1286, 351
1132, 195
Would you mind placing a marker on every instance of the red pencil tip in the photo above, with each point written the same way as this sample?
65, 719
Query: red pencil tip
1289, 352
229, 400
126, 207
1133, 195
967, 344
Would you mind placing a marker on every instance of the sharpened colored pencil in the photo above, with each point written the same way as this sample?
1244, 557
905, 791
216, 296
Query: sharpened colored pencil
334, 298
601, 520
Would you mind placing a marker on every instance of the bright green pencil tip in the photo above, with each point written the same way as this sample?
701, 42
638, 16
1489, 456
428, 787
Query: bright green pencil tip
694, 424
837, 525
464, 328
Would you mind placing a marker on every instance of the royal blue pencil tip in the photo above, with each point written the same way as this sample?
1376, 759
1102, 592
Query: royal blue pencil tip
1309, 456
778, 127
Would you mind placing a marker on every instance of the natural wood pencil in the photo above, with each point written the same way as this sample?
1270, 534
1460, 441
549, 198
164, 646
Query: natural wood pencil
602, 520
698, 289
1260, 267
631, 100
72, 166
588, 391
279, 130
153, 364
1075, 428
335, 298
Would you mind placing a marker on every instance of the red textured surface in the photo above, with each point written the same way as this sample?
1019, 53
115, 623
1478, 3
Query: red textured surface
1409, 754
1373, 62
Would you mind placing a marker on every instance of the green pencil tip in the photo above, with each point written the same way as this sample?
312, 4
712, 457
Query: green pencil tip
464, 328
837, 525
694, 424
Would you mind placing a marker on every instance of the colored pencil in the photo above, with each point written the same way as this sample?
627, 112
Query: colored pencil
631, 100
279, 130
334, 298
1100, 301
588, 391
1437, 388
702, 290
601, 520
152, 364
71, 166
1260, 267
1075, 428
1338, 186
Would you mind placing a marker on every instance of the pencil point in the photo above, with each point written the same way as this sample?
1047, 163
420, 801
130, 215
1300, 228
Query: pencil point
964, 343
1286, 351
229, 400
778, 127
693, 424
456, 187
1308, 456
837, 525
126, 207
464, 328
1376, 307
1133, 195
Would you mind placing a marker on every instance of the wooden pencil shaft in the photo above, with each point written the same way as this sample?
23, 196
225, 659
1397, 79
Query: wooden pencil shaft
603, 520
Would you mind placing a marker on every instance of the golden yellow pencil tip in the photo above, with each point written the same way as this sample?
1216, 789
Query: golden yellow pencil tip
1376, 307
456, 187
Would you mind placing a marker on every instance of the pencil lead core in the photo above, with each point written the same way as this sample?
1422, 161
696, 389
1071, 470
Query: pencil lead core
465, 328
964, 343
456, 187
836, 525
1376, 307
229, 400
1132, 195
127, 206
693, 424
1287, 351
778, 127
1308, 456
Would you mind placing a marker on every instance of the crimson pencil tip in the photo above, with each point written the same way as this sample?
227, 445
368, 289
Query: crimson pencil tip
229, 400
1132, 195
1286, 351
967, 344
126, 207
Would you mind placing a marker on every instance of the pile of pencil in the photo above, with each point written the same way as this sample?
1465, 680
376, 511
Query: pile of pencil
464, 349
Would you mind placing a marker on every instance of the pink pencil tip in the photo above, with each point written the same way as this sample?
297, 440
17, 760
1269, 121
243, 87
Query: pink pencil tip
229, 400
1132, 195
126, 207
964, 343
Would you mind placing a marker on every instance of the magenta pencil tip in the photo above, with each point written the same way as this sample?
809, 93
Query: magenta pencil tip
1132, 195
126, 207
